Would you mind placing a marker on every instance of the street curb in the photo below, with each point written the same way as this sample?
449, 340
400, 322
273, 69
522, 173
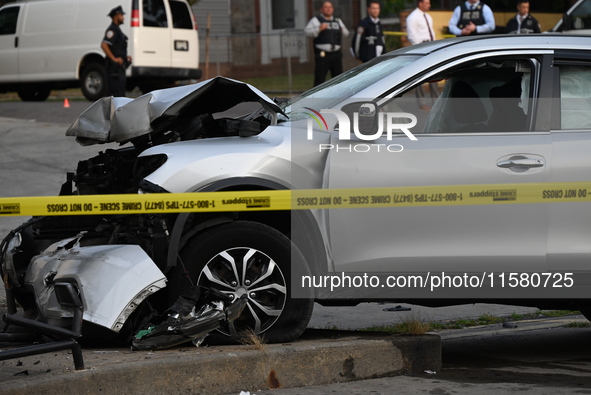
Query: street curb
231, 369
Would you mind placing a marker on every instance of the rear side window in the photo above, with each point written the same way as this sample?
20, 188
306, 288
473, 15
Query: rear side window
154, 13
8, 18
181, 17
575, 94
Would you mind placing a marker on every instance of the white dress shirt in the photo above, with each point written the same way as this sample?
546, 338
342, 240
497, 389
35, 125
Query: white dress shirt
417, 28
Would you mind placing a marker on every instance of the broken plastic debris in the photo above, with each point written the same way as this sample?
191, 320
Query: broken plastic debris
244, 392
430, 372
183, 323
144, 332
197, 341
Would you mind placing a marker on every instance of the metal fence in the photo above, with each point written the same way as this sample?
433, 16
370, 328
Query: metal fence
275, 63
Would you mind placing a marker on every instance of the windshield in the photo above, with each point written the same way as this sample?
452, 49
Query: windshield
347, 84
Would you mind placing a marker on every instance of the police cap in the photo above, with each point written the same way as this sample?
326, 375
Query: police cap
115, 11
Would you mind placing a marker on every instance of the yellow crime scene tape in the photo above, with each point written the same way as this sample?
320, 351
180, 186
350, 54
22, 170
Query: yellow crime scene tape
444, 195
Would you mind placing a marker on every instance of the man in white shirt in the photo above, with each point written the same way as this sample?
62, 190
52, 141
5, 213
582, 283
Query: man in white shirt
472, 17
419, 24
419, 29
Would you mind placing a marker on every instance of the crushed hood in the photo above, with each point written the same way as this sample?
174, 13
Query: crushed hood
120, 119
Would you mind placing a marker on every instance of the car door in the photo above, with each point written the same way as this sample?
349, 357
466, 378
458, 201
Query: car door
185, 43
569, 247
459, 142
152, 41
9, 44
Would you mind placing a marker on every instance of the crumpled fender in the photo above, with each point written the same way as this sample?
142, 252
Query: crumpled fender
112, 281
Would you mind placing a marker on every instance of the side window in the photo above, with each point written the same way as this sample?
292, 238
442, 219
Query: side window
181, 17
154, 13
283, 14
575, 95
484, 96
8, 18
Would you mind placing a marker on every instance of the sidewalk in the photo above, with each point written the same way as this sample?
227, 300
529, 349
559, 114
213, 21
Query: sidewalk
320, 357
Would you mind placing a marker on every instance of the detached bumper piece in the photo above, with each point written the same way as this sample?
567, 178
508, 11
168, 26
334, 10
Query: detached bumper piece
71, 300
184, 323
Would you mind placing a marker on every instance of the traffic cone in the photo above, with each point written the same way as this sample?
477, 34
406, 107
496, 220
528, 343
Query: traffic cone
66, 103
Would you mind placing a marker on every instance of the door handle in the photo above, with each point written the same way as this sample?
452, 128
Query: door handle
525, 162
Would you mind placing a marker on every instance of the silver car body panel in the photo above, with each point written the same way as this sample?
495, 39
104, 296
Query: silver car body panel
273, 155
112, 280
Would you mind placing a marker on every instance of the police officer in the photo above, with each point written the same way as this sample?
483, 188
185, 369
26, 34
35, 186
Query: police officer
368, 41
472, 17
115, 47
523, 23
328, 32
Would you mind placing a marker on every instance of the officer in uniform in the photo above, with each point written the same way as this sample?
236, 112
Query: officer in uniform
114, 45
368, 41
328, 32
472, 17
523, 23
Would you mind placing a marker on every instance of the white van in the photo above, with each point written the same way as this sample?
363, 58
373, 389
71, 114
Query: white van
577, 20
55, 44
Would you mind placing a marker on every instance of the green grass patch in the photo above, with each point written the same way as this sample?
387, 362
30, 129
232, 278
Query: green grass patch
578, 324
485, 319
410, 325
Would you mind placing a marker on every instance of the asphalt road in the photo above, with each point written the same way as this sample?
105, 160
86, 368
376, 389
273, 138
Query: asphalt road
49, 111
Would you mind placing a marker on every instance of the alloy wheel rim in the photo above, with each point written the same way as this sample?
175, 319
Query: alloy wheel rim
247, 271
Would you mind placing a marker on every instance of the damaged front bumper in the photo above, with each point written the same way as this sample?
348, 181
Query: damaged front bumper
111, 280
104, 285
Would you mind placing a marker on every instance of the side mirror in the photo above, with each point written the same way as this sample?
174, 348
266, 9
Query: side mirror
363, 116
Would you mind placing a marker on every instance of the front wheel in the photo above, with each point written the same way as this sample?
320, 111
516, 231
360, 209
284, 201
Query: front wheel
93, 81
252, 259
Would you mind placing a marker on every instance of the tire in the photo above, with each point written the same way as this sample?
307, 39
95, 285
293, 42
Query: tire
34, 93
213, 257
93, 81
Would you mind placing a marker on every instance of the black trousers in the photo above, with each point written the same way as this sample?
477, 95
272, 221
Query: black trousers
116, 80
331, 61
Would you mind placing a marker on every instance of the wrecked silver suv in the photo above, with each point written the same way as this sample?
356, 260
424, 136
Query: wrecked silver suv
498, 174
